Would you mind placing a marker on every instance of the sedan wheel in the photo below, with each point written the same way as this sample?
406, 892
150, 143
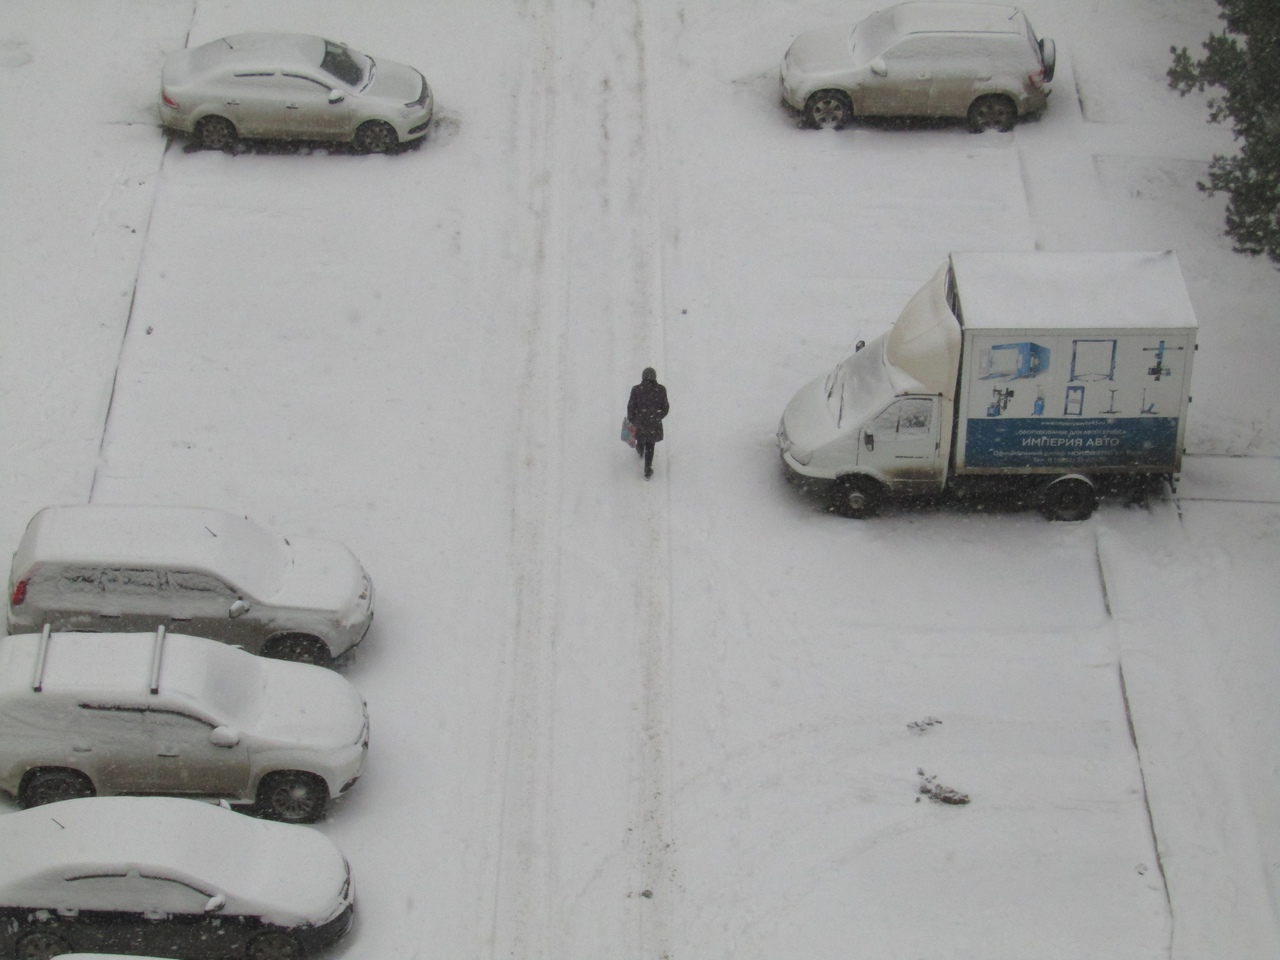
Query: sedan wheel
215, 133
292, 796
374, 136
274, 946
828, 109
50, 786
992, 112
41, 946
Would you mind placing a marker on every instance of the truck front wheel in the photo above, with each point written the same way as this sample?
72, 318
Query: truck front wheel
856, 497
1071, 498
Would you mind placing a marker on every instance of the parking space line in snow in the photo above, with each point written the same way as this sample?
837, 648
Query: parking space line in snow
128, 322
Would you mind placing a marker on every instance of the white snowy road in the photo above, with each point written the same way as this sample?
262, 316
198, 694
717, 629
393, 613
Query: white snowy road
682, 718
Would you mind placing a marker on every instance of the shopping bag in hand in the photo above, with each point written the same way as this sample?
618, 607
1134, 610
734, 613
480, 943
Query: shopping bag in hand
628, 432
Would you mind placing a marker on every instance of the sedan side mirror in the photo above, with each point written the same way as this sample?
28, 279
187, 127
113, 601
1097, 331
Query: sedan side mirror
223, 737
869, 440
238, 609
879, 67
215, 904
336, 96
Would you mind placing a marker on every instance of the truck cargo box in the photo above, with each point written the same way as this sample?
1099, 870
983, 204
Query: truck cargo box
1072, 361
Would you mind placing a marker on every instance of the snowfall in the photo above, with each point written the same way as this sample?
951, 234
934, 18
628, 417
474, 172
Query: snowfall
688, 718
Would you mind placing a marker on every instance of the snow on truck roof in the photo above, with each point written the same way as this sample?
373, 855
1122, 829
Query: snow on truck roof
180, 538
927, 17
1072, 290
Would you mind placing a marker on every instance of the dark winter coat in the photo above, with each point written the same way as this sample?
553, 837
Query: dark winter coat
646, 408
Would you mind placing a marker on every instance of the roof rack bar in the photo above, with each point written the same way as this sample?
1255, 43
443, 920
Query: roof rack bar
156, 653
37, 678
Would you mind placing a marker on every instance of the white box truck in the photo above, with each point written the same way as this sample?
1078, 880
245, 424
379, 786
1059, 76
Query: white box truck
1054, 375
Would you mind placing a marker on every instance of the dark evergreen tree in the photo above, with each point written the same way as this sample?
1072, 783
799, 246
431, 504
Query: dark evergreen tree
1244, 61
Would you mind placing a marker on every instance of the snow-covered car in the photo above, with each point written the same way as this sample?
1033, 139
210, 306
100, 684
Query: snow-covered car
979, 61
84, 714
292, 86
113, 569
169, 877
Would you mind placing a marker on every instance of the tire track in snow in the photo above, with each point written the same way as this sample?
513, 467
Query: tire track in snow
653, 595
523, 910
591, 291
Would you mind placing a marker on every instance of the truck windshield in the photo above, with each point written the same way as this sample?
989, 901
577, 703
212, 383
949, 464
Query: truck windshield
859, 384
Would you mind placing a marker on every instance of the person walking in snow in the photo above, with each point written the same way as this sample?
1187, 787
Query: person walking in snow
646, 408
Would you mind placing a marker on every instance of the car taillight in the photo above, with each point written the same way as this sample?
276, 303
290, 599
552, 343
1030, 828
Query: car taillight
169, 101
19, 594
1036, 80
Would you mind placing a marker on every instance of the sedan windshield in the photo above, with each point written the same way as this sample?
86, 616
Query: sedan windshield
344, 63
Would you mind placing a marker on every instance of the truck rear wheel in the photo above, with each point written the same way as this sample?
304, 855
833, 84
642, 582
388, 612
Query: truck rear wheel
1071, 498
856, 497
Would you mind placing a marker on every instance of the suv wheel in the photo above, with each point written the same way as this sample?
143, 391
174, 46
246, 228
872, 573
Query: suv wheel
292, 796
51, 785
994, 111
828, 109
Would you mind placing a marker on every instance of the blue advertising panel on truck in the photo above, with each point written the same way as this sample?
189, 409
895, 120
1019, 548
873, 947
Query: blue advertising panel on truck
1114, 334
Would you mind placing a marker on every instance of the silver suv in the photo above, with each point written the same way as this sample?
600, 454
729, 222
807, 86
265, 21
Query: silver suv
132, 713
204, 572
977, 61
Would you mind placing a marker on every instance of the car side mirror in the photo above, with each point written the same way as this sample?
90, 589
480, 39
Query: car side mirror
238, 609
336, 96
879, 67
859, 345
215, 904
223, 737
869, 440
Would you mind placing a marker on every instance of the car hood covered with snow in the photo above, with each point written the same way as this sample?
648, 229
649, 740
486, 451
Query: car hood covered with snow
302, 704
321, 575
395, 81
820, 52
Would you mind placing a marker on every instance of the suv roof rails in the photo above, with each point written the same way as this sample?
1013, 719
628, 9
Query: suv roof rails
157, 652
157, 655
37, 677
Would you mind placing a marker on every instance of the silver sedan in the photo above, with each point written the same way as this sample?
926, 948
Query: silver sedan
292, 86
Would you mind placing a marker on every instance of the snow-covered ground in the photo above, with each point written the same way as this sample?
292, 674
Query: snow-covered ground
688, 718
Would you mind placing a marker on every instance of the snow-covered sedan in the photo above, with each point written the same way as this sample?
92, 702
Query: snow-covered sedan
84, 714
292, 86
167, 877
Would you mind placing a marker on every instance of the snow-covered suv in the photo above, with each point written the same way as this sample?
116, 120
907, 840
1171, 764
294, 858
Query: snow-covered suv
924, 59
102, 568
135, 713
